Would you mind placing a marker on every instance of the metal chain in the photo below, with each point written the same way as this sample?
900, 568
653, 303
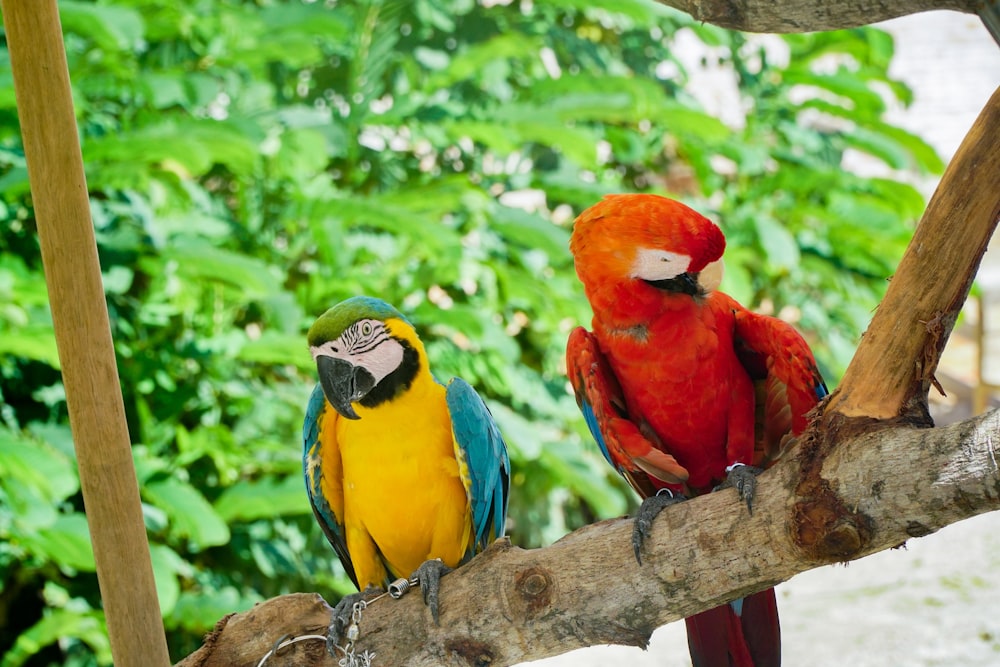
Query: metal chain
351, 657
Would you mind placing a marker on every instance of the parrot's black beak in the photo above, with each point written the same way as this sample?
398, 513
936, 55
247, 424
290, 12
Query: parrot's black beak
343, 383
685, 283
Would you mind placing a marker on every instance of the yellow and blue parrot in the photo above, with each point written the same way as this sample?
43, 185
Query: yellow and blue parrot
407, 477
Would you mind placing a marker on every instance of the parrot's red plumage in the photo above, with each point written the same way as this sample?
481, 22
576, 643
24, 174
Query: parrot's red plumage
680, 385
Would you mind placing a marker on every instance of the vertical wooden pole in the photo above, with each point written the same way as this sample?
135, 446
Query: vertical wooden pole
83, 332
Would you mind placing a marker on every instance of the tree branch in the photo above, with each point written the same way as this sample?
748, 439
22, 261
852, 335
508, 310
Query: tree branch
894, 365
511, 605
808, 15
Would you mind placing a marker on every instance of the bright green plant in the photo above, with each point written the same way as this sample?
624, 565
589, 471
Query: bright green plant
250, 164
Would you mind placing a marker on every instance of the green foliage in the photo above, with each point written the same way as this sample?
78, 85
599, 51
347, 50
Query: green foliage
250, 164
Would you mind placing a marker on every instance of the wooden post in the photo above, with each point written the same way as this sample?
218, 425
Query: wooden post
83, 332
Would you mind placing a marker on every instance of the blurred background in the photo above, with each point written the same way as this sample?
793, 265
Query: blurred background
252, 163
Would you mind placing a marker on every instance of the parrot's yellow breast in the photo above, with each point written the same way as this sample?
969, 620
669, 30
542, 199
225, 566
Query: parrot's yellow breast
403, 494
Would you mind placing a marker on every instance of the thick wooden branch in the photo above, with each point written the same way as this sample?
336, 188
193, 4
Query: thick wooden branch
511, 605
894, 365
808, 15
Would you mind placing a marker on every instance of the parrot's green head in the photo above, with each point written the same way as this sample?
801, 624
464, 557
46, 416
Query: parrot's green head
366, 352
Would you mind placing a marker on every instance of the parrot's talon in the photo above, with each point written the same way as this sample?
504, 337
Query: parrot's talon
648, 510
743, 478
345, 617
428, 577
277, 645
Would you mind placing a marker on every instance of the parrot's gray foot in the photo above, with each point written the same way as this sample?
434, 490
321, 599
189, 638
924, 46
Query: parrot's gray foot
428, 577
342, 618
743, 478
648, 511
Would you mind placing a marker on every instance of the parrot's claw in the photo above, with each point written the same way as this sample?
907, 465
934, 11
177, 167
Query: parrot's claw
743, 478
429, 576
342, 618
648, 511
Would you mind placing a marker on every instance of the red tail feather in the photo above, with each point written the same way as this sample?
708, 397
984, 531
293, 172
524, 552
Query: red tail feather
720, 637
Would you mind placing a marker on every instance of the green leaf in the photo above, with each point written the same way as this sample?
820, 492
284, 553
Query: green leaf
191, 145
585, 477
642, 13
200, 261
400, 220
778, 243
737, 279
894, 141
303, 153
38, 465
267, 497
191, 516
852, 90
112, 28
66, 542
471, 61
167, 565
525, 439
37, 342
201, 609
165, 90
531, 230
274, 347
491, 135
58, 625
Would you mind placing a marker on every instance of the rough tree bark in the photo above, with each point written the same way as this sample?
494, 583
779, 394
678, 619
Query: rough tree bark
868, 475
511, 605
809, 15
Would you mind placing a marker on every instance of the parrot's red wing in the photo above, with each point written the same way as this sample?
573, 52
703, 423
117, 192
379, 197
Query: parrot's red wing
788, 384
602, 402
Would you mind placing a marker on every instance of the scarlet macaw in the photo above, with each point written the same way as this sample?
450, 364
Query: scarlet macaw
683, 388
400, 469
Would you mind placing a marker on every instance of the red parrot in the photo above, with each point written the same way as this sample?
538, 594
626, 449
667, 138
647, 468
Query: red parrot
683, 388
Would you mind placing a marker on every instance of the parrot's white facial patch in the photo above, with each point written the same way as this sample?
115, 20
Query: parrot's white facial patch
365, 343
711, 276
655, 264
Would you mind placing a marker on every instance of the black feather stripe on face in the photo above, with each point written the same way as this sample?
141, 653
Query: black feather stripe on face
685, 283
396, 382
360, 347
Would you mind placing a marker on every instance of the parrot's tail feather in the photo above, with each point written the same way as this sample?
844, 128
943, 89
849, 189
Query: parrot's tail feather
744, 633
661, 466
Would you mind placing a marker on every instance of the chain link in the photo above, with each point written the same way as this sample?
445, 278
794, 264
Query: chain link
351, 657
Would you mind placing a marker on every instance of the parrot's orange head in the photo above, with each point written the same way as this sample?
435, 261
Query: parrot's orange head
640, 237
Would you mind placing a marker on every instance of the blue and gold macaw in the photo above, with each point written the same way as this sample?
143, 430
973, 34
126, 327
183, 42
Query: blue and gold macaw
407, 477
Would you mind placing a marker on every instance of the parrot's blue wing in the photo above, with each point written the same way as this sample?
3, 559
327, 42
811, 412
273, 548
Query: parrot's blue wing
582, 356
484, 463
595, 428
324, 474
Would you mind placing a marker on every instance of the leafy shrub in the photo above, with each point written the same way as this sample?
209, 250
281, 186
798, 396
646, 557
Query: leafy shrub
250, 164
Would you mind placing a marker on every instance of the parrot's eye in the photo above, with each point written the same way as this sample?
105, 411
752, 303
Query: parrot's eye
366, 329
